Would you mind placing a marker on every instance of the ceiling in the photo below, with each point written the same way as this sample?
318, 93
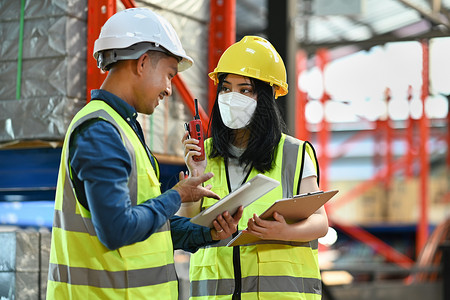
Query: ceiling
347, 26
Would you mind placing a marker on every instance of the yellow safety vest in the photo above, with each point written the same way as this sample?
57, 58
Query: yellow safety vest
281, 270
81, 267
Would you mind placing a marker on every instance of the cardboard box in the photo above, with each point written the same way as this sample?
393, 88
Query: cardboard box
402, 201
367, 208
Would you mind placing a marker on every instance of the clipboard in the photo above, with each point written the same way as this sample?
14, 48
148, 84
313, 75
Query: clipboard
246, 194
292, 209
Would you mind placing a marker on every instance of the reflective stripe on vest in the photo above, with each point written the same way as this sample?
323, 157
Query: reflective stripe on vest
255, 284
289, 165
271, 267
108, 279
79, 262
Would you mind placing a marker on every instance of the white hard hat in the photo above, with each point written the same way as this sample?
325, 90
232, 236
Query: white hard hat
144, 30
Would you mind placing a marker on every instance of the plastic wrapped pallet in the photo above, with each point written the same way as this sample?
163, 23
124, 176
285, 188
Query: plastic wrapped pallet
45, 77
9, 10
54, 68
43, 72
19, 265
38, 118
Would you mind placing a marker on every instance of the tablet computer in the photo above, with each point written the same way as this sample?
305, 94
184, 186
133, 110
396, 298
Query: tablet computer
247, 193
293, 209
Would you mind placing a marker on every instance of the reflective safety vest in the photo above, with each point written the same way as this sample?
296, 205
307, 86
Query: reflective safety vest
269, 270
81, 267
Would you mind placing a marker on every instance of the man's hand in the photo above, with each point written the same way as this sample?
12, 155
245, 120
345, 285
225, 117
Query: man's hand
190, 189
225, 225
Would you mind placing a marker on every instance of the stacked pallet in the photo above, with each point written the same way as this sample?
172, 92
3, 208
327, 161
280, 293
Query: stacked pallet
43, 67
24, 264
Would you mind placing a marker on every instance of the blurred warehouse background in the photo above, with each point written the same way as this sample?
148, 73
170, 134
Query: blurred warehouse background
369, 86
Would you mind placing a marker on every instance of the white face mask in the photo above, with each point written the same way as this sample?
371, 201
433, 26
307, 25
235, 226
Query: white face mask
236, 109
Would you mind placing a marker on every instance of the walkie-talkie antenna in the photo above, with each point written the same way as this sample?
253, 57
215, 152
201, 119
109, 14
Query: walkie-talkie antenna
196, 117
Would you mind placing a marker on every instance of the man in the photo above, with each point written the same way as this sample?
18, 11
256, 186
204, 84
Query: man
114, 232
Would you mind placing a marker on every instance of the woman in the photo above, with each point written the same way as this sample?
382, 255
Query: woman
247, 139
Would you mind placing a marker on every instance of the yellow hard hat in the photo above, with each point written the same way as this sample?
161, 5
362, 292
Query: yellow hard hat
254, 57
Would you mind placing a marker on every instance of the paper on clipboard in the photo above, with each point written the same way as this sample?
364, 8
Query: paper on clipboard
292, 209
247, 193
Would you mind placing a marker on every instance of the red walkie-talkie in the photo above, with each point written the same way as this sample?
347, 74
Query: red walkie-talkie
195, 129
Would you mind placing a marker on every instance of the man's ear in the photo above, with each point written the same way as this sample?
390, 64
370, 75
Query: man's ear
141, 63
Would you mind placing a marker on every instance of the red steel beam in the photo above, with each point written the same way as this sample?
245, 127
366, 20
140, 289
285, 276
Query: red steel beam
409, 140
389, 138
222, 34
378, 245
324, 132
380, 144
128, 3
422, 227
98, 12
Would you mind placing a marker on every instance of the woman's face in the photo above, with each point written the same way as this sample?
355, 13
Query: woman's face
238, 84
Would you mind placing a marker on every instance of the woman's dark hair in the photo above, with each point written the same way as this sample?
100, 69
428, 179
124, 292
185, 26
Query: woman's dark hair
265, 127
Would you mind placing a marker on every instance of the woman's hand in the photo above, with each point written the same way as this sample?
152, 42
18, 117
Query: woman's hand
311, 228
225, 225
268, 230
192, 149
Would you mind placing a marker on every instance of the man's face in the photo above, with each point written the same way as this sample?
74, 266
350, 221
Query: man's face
156, 82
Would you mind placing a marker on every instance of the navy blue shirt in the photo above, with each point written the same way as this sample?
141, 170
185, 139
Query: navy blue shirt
101, 166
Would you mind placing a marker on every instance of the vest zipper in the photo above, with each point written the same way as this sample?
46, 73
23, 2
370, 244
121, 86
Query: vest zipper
237, 272
236, 250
